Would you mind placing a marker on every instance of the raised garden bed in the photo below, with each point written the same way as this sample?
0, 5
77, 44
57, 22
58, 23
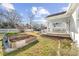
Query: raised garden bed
12, 42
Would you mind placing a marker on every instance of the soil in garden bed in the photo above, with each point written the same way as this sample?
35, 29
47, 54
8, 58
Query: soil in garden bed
21, 37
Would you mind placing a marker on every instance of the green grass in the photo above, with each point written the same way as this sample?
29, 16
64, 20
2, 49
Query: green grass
1, 45
1, 48
11, 33
46, 46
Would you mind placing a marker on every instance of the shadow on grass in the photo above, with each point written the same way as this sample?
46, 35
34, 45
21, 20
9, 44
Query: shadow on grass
0, 39
13, 53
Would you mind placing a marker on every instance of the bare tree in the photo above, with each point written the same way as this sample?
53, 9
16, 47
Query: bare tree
12, 18
30, 17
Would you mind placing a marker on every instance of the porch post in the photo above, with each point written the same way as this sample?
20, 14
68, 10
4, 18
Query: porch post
47, 27
67, 27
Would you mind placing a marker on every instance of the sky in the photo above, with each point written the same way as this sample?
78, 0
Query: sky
39, 10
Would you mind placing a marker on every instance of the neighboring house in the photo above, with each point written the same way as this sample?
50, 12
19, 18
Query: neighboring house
65, 22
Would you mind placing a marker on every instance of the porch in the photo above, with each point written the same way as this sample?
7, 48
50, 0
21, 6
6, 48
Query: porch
58, 27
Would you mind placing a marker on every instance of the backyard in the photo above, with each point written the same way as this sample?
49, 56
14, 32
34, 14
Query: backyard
46, 46
40, 31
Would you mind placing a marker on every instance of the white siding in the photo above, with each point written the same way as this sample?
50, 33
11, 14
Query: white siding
74, 27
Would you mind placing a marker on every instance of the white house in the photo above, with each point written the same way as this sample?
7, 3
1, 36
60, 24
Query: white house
66, 22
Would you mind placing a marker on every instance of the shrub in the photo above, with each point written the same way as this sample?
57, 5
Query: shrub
11, 33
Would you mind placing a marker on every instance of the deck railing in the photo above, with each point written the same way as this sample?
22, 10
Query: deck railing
59, 30
56, 30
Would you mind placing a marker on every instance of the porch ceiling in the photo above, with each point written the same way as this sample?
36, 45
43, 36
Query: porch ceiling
63, 19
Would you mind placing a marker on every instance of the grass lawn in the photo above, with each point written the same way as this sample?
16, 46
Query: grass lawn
46, 46
1, 45
1, 48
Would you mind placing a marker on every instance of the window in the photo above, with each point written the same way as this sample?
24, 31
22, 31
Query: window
61, 24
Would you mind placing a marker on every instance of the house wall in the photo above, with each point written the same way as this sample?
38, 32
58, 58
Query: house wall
74, 26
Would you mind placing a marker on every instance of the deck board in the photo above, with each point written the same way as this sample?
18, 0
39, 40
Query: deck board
57, 34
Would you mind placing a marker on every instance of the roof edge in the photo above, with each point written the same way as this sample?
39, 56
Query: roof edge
56, 14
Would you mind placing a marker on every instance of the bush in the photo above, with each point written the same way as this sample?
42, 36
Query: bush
11, 33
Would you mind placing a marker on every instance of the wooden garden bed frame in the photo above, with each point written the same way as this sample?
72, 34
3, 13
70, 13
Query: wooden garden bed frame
18, 41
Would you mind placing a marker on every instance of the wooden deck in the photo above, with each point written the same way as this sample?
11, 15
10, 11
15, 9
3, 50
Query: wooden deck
57, 34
